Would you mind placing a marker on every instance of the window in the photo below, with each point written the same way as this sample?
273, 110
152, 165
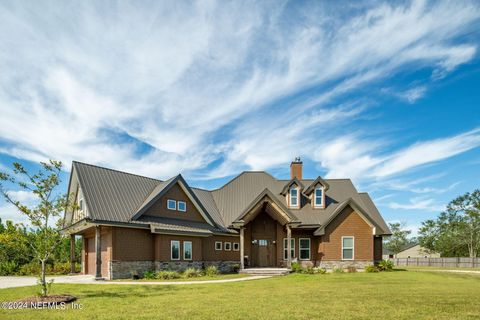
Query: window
228, 246
171, 204
293, 197
236, 246
187, 250
262, 243
218, 245
285, 249
318, 196
175, 250
304, 248
182, 206
347, 248
80, 204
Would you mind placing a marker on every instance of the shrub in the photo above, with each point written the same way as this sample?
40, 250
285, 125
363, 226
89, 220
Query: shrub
371, 269
338, 270
192, 273
320, 270
167, 275
211, 271
385, 265
64, 268
351, 269
31, 268
8, 268
308, 270
235, 268
149, 275
296, 267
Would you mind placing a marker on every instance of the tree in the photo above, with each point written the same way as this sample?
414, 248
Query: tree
456, 231
399, 238
49, 207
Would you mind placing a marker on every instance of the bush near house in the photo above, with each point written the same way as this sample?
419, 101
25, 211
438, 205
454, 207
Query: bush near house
385, 265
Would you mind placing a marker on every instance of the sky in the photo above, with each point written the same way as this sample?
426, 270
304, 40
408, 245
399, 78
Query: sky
384, 93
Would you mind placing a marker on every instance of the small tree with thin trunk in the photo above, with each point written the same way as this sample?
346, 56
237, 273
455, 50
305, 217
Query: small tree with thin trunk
44, 215
399, 238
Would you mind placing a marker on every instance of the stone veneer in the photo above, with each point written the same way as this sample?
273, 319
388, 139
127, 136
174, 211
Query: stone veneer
359, 264
126, 269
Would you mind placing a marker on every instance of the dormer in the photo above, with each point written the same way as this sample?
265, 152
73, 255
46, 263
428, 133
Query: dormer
293, 193
316, 193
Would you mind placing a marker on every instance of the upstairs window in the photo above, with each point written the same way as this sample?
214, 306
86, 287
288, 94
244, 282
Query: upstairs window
293, 197
318, 201
182, 206
81, 205
171, 204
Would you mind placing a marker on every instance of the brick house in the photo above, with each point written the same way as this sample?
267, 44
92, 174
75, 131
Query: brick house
130, 223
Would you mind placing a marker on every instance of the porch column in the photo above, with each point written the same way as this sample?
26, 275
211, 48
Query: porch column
98, 254
289, 247
72, 253
242, 248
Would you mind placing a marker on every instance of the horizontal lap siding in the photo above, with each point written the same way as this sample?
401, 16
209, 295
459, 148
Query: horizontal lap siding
159, 209
210, 254
347, 223
162, 247
133, 244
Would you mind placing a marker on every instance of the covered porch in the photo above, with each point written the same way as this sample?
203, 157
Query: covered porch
263, 228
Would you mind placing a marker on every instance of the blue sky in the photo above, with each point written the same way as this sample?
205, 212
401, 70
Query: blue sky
384, 93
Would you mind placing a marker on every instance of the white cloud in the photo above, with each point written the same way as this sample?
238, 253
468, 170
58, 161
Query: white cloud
176, 86
418, 203
414, 94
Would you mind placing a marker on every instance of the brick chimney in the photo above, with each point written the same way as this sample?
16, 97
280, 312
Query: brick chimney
296, 169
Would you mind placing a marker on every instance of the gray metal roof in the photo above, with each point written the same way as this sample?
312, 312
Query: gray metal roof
116, 196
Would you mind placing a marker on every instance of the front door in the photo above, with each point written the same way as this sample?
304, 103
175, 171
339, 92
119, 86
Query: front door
263, 245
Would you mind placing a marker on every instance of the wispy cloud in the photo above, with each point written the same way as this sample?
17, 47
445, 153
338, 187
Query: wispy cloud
208, 88
418, 203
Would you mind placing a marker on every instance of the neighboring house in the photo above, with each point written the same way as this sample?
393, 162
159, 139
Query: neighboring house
131, 224
416, 251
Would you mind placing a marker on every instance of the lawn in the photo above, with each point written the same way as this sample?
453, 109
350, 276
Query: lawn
389, 295
202, 278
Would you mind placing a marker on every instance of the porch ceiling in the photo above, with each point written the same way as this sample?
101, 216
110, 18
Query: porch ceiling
272, 209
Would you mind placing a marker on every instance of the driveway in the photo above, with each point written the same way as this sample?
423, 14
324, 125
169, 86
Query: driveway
11, 282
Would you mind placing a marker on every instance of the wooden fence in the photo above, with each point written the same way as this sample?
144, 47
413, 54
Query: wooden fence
438, 262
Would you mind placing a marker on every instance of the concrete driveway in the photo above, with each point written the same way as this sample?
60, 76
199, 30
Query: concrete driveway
11, 282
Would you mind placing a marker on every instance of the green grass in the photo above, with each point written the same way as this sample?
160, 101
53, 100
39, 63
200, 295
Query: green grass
438, 268
386, 295
202, 278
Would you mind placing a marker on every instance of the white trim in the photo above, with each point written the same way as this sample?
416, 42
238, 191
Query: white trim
178, 206
171, 249
238, 246
322, 198
191, 250
300, 249
221, 245
174, 202
297, 197
353, 247
285, 249
229, 246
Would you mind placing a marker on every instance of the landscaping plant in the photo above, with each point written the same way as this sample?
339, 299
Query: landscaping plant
211, 271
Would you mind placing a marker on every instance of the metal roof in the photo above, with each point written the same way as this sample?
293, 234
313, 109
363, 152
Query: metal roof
116, 196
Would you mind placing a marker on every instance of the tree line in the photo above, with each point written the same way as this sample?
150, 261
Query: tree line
454, 233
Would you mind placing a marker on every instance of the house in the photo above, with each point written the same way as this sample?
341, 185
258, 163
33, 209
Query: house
416, 251
131, 223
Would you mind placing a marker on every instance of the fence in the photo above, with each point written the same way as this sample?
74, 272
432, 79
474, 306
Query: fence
438, 262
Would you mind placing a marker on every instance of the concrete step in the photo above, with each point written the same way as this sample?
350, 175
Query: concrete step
266, 271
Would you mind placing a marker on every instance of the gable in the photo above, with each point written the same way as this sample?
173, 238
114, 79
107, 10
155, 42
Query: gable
175, 192
349, 222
